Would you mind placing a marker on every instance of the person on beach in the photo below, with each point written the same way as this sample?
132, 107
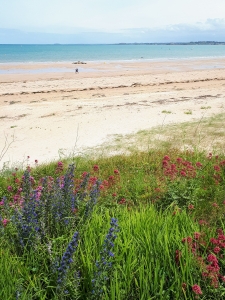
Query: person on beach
76, 70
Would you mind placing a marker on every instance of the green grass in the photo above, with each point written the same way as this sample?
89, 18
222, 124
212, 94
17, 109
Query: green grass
166, 112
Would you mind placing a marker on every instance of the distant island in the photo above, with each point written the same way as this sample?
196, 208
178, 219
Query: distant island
178, 43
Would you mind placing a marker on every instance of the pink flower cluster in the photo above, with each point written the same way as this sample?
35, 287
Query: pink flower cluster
208, 263
181, 168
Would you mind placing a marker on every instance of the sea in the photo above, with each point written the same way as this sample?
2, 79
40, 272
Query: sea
69, 53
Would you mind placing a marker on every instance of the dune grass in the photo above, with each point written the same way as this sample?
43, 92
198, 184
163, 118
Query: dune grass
206, 134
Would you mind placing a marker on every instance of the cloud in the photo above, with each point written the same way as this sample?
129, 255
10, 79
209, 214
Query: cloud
210, 30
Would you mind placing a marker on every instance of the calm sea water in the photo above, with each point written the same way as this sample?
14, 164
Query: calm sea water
60, 53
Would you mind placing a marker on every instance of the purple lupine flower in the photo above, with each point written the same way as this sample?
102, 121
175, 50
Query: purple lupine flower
94, 194
27, 221
26, 185
66, 260
103, 267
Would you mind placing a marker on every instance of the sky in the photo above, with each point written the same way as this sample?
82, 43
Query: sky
111, 21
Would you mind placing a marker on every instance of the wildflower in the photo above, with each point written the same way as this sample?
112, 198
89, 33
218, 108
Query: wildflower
116, 172
216, 250
183, 173
105, 183
94, 193
5, 222
202, 222
191, 206
105, 264
122, 201
198, 165
219, 231
166, 157
214, 241
196, 289
215, 205
114, 194
67, 260
184, 286
221, 237
96, 168
36, 161
212, 258
84, 174
111, 178
187, 240
197, 235
177, 256
59, 167
179, 160
2, 203
93, 180
9, 188
216, 168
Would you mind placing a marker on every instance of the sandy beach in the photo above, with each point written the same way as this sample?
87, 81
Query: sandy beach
47, 110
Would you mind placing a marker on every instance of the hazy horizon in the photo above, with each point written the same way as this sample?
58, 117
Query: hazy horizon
110, 22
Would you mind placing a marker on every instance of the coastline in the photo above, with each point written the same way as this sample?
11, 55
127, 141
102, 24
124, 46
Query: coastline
59, 112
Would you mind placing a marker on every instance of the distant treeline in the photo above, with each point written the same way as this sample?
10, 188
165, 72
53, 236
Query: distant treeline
178, 43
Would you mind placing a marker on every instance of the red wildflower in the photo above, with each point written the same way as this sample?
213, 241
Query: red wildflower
197, 235
221, 237
214, 241
202, 222
166, 157
217, 168
212, 258
216, 250
17, 180
198, 164
116, 172
196, 289
5, 222
191, 206
178, 255
179, 160
219, 231
96, 168
9, 188
183, 173
122, 201
187, 240
105, 182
